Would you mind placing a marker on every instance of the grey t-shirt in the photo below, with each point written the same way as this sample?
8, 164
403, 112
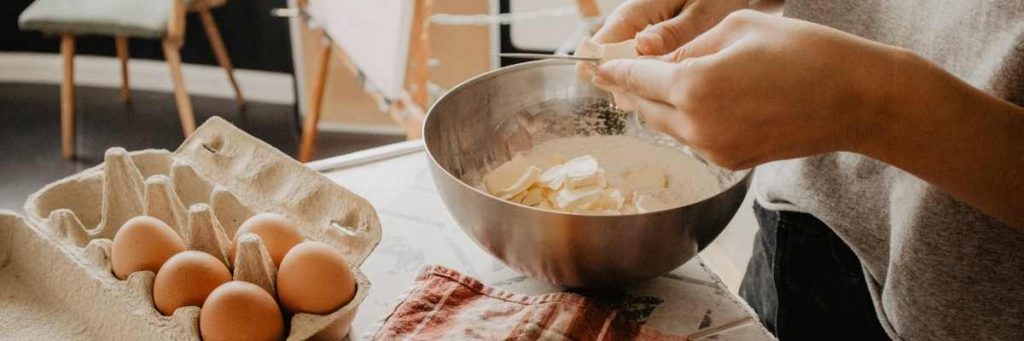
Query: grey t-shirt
937, 268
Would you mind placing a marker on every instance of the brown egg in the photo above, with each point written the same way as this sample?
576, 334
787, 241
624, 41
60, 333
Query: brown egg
143, 243
314, 278
187, 279
239, 310
278, 234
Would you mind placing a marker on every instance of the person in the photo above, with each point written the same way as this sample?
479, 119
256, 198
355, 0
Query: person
889, 143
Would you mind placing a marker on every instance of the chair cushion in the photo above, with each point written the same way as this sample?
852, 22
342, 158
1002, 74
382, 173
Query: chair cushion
133, 18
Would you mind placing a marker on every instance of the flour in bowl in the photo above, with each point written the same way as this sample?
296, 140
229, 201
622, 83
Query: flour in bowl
601, 175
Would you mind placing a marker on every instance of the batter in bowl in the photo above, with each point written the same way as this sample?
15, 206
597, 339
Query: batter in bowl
611, 174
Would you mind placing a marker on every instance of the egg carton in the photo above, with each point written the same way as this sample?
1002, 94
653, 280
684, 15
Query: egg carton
55, 261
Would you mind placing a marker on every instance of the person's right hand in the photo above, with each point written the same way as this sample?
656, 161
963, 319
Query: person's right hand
759, 88
661, 26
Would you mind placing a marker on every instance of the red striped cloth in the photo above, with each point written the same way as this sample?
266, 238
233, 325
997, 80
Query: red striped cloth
444, 304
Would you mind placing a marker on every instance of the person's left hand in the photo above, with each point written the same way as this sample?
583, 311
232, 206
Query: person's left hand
757, 88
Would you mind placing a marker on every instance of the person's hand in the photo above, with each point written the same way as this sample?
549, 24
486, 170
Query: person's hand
660, 26
757, 88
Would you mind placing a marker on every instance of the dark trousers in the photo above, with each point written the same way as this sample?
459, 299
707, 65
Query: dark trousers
805, 283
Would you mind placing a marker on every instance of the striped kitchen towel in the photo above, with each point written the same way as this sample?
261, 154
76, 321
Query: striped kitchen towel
444, 304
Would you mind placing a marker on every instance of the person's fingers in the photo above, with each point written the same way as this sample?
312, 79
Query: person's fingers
633, 16
717, 38
668, 35
708, 43
624, 101
649, 78
658, 116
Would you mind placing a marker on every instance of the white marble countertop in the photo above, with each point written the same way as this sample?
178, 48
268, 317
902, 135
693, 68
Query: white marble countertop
418, 231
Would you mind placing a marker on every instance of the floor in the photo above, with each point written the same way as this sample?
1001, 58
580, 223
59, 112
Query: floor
30, 131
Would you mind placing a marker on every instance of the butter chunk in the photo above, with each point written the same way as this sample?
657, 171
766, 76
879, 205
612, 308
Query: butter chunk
510, 178
546, 204
649, 203
614, 199
533, 197
595, 179
571, 199
621, 50
583, 171
588, 48
518, 198
553, 177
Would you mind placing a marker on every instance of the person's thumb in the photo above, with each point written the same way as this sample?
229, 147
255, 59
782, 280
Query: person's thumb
709, 42
663, 37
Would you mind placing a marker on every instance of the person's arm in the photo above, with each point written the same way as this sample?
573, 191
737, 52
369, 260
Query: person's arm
758, 88
956, 137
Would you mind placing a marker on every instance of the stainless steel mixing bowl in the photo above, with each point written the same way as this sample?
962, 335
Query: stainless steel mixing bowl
484, 121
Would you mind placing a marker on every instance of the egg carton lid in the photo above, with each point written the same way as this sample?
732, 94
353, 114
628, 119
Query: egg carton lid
271, 181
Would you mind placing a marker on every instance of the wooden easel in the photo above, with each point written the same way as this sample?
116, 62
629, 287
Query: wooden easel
408, 110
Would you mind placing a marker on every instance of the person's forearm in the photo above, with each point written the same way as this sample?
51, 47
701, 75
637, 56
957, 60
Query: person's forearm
954, 136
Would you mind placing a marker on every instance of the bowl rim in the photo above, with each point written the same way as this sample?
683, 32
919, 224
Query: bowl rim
746, 173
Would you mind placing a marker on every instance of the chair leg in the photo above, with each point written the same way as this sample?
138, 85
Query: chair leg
217, 44
67, 97
188, 121
121, 42
316, 95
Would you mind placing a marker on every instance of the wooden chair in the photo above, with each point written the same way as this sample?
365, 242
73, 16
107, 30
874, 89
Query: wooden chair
151, 19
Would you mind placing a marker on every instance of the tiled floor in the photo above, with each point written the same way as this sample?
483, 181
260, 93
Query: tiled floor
30, 131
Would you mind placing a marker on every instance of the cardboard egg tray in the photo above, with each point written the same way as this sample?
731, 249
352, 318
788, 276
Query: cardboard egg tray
55, 274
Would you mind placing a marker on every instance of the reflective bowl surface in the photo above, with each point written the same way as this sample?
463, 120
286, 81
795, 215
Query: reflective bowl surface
486, 120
